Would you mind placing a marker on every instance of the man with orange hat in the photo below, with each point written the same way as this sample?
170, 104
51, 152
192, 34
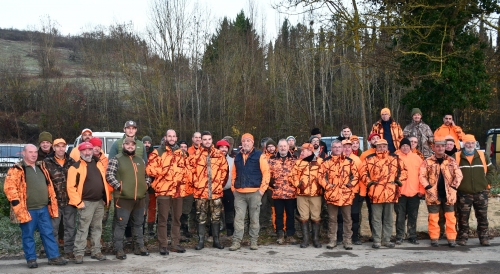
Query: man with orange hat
383, 173
305, 176
478, 172
388, 129
250, 179
88, 191
449, 128
440, 177
57, 164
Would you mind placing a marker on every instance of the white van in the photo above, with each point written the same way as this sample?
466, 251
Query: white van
107, 138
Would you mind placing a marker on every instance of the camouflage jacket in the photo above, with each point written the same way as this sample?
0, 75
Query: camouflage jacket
58, 175
280, 169
424, 135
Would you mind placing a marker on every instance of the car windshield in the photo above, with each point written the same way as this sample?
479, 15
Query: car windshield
11, 151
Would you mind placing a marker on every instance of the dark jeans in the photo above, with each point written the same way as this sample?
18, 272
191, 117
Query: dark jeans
41, 220
265, 209
125, 210
68, 216
407, 207
228, 203
285, 206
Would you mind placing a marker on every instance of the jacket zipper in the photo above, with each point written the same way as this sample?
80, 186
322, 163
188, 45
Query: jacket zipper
135, 174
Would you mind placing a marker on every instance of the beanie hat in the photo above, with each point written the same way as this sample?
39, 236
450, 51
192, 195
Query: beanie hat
315, 131
271, 142
372, 135
147, 138
404, 141
415, 111
312, 138
182, 142
468, 138
45, 136
230, 140
385, 111
97, 142
247, 136
291, 137
85, 145
221, 143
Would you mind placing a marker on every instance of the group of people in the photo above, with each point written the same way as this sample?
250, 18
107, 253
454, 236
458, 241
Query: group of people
147, 186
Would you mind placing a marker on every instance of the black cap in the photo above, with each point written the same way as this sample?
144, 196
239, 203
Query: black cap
405, 141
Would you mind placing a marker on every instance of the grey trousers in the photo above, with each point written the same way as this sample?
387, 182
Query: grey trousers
125, 210
89, 217
68, 216
382, 221
242, 202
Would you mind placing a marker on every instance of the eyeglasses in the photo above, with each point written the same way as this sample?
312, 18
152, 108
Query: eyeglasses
315, 141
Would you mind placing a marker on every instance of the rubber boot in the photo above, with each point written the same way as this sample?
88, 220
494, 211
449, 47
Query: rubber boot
185, 225
201, 235
305, 234
215, 234
315, 234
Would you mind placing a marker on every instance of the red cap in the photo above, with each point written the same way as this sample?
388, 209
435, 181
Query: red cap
97, 142
222, 143
371, 136
85, 145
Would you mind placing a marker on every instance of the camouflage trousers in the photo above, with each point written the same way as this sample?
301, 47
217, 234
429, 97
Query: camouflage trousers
464, 204
205, 206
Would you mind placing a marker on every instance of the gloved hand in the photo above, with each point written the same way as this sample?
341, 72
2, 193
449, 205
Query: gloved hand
371, 183
397, 182
14, 202
302, 186
428, 187
272, 183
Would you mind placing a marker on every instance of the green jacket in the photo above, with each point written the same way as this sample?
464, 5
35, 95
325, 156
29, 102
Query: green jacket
475, 180
131, 175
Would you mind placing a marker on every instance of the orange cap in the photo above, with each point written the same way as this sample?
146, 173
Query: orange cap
58, 141
385, 111
346, 142
247, 136
468, 138
381, 142
308, 146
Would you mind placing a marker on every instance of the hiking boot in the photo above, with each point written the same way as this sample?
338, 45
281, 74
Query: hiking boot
376, 245
70, 256
235, 246
357, 242
462, 242
485, 242
452, 243
98, 257
291, 240
57, 261
413, 241
332, 244
281, 238
78, 259
434, 243
389, 244
120, 255
253, 245
32, 264
142, 251
347, 245
399, 241
177, 249
163, 251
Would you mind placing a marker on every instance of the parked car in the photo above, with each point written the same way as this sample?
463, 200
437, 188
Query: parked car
328, 141
493, 145
9, 155
107, 138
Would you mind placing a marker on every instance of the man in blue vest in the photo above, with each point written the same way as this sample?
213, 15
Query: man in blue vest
250, 179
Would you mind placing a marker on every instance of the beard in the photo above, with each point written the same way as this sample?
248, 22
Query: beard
315, 146
86, 158
469, 150
129, 153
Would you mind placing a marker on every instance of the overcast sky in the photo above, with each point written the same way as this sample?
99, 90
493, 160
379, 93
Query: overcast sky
75, 16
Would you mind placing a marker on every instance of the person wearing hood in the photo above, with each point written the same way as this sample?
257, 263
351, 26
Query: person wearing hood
167, 165
305, 177
422, 132
388, 129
